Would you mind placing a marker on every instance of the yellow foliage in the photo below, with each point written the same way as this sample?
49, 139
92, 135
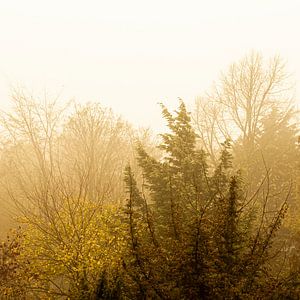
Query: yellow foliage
72, 246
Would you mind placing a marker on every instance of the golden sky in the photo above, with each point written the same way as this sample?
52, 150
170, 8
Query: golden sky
129, 55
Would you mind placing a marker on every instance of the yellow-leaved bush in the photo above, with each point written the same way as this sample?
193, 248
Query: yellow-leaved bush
72, 247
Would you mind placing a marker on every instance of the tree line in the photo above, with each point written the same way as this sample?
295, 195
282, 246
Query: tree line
208, 210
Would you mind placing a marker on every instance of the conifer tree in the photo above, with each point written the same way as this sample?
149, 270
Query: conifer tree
196, 236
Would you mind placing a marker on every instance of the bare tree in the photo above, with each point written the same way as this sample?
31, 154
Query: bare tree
246, 93
29, 158
60, 173
250, 89
209, 125
96, 145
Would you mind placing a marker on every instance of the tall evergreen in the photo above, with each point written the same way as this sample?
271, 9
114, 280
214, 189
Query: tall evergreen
177, 182
192, 232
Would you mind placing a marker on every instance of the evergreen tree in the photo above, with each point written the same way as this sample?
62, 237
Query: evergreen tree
177, 183
275, 152
197, 236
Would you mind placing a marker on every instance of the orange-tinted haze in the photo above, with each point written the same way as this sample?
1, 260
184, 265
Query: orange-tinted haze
132, 54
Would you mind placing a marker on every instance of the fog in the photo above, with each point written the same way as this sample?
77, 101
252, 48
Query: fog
149, 150
131, 55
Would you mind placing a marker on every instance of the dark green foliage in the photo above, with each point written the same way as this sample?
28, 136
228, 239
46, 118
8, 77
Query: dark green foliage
198, 236
272, 167
176, 182
274, 152
107, 291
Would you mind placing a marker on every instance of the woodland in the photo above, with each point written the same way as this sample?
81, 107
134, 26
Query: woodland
93, 208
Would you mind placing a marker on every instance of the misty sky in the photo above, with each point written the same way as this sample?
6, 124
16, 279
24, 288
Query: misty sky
129, 55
